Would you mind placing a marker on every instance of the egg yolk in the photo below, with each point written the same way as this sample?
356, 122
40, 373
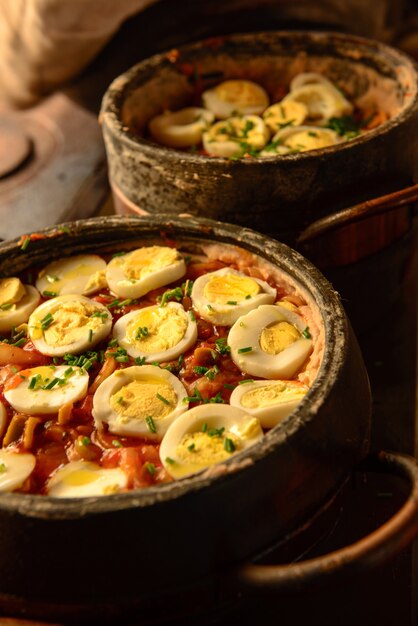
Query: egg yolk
204, 448
145, 261
278, 336
270, 395
240, 92
157, 329
230, 288
309, 140
12, 291
69, 323
140, 399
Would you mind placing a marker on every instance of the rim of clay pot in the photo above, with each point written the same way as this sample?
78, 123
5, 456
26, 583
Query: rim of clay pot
112, 232
115, 96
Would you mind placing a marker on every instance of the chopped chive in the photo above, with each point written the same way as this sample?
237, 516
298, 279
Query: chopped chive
126, 302
229, 445
49, 294
117, 443
51, 279
210, 307
242, 350
150, 467
3, 468
33, 381
306, 333
169, 460
19, 342
247, 380
120, 400
191, 447
52, 384
192, 316
204, 427
248, 296
228, 386
142, 331
139, 360
150, 423
100, 314
86, 441
180, 360
233, 302
200, 369
216, 432
160, 397
6, 306
222, 347
25, 243
90, 335
113, 343
122, 358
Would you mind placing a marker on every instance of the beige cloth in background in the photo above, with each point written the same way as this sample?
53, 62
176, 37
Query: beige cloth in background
44, 43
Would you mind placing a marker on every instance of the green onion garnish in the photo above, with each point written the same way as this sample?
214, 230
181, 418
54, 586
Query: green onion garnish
229, 445
160, 397
150, 423
242, 350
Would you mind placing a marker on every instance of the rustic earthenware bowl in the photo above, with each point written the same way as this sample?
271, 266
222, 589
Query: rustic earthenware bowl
281, 195
103, 554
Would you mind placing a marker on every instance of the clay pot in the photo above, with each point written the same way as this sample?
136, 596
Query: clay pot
282, 195
101, 555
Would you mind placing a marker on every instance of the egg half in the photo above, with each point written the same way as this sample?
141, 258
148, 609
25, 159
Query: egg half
69, 323
81, 479
268, 342
83, 274
181, 129
269, 400
45, 389
135, 273
235, 97
303, 138
17, 301
15, 468
221, 297
139, 401
156, 333
205, 435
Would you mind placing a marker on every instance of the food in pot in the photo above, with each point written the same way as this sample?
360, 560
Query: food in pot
182, 357
314, 114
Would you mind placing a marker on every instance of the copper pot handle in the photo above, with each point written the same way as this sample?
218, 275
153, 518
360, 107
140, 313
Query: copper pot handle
358, 212
369, 552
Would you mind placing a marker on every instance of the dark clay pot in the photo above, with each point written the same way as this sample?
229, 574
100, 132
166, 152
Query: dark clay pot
282, 195
101, 555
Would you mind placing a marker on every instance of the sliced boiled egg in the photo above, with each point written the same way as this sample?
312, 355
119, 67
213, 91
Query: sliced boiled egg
205, 435
81, 479
43, 390
17, 301
269, 400
235, 97
290, 113
221, 297
139, 401
15, 468
322, 100
70, 323
236, 136
83, 274
156, 333
303, 138
134, 274
268, 342
181, 129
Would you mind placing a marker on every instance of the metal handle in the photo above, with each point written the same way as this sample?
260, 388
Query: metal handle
369, 552
359, 212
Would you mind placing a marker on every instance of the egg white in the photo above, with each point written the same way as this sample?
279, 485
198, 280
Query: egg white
83, 274
188, 446
235, 97
145, 404
269, 400
221, 312
181, 129
15, 468
78, 324
71, 386
236, 136
247, 353
163, 340
135, 273
82, 479
19, 312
